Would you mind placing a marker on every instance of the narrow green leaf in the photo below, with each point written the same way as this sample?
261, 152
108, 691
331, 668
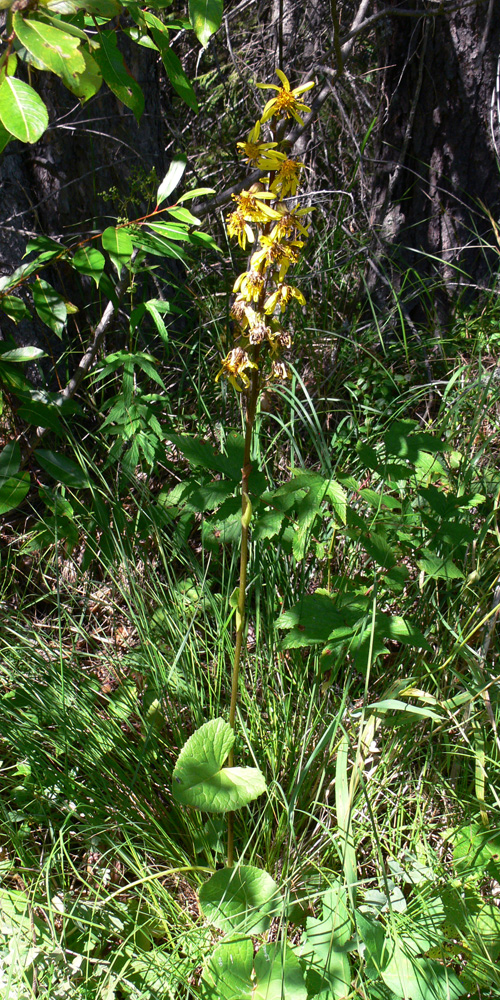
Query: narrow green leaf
172, 178
22, 111
49, 305
180, 82
111, 64
196, 193
183, 215
22, 354
205, 17
200, 778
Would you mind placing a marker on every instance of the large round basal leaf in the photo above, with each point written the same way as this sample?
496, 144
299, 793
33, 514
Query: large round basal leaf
200, 778
13, 491
22, 111
241, 899
414, 978
205, 17
62, 469
278, 974
228, 975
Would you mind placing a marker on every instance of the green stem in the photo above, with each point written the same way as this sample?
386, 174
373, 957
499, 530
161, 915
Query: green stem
240, 616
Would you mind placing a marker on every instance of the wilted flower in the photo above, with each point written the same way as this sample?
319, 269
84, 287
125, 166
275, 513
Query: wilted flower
279, 371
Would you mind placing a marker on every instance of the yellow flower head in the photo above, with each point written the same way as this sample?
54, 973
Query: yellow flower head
238, 226
289, 223
287, 176
282, 297
286, 104
252, 206
252, 149
274, 253
250, 285
235, 367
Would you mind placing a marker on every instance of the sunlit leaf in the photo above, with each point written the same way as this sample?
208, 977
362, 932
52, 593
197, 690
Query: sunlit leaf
22, 111
172, 178
205, 17
201, 778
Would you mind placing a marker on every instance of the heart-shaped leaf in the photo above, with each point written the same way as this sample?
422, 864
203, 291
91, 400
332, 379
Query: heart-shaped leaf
200, 778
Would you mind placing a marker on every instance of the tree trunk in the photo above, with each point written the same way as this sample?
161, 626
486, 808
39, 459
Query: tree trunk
437, 164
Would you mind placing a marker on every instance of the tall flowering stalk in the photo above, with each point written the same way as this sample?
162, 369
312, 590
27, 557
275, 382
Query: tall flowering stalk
264, 220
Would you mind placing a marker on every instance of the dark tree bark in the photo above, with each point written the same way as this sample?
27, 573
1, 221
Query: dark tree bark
436, 160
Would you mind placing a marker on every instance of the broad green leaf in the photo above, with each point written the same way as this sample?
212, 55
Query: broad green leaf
41, 415
13, 491
22, 354
14, 307
476, 849
110, 62
200, 778
5, 138
228, 974
266, 525
202, 453
324, 947
49, 305
278, 974
57, 51
413, 978
62, 469
22, 111
10, 460
86, 84
439, 567
89, 260
377, 952
205, 17
172, 178
118, 243
240, 900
